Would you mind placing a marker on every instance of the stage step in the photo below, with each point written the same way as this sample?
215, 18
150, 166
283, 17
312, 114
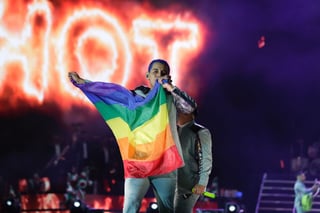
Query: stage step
277, 194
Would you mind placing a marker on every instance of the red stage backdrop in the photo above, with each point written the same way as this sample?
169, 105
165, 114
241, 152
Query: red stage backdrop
41, 41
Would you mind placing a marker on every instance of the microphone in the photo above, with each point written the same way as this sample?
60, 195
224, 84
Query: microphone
206, 194
209, 195
165, 81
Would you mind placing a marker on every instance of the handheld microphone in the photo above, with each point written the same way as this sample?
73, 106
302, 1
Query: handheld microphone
165, 81
206, 194
209, 195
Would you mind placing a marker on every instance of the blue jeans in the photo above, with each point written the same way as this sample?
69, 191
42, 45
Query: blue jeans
136, 188
298, 209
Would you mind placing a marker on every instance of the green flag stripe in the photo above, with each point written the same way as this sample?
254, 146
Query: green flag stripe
144, 112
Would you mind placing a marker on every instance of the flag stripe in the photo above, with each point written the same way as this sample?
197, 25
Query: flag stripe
148, 151
143, 169
144, 133
144, 113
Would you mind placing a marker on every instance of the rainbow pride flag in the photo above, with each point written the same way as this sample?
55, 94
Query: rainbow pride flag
140, 126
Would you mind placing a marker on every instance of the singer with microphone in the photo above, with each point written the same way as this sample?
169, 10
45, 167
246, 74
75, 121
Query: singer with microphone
196, 144
144, 122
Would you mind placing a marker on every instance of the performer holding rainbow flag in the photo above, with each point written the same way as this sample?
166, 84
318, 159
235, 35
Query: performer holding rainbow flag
143, 122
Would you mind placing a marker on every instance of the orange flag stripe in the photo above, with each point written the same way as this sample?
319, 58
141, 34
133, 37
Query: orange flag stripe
148, 151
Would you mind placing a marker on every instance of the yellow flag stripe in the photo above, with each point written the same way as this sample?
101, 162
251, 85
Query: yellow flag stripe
143, 134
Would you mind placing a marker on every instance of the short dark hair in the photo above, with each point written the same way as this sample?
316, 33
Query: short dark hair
300, 172
164, 62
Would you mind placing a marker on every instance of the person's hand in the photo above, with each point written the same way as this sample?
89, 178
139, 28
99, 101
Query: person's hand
166, 81
74, 77
315, 187
198, 189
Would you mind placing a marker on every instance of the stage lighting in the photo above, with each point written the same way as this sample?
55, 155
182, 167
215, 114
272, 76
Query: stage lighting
78, 207
11, 205
232, 207
153, 208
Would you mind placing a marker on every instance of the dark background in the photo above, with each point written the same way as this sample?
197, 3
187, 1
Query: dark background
256, 101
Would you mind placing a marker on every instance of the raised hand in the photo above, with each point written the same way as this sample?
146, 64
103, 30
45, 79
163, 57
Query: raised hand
75, 78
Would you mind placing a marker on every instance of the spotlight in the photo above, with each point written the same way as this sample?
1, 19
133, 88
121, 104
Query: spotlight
77, 204
153, 208
11, 205
232, 208
78, 207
